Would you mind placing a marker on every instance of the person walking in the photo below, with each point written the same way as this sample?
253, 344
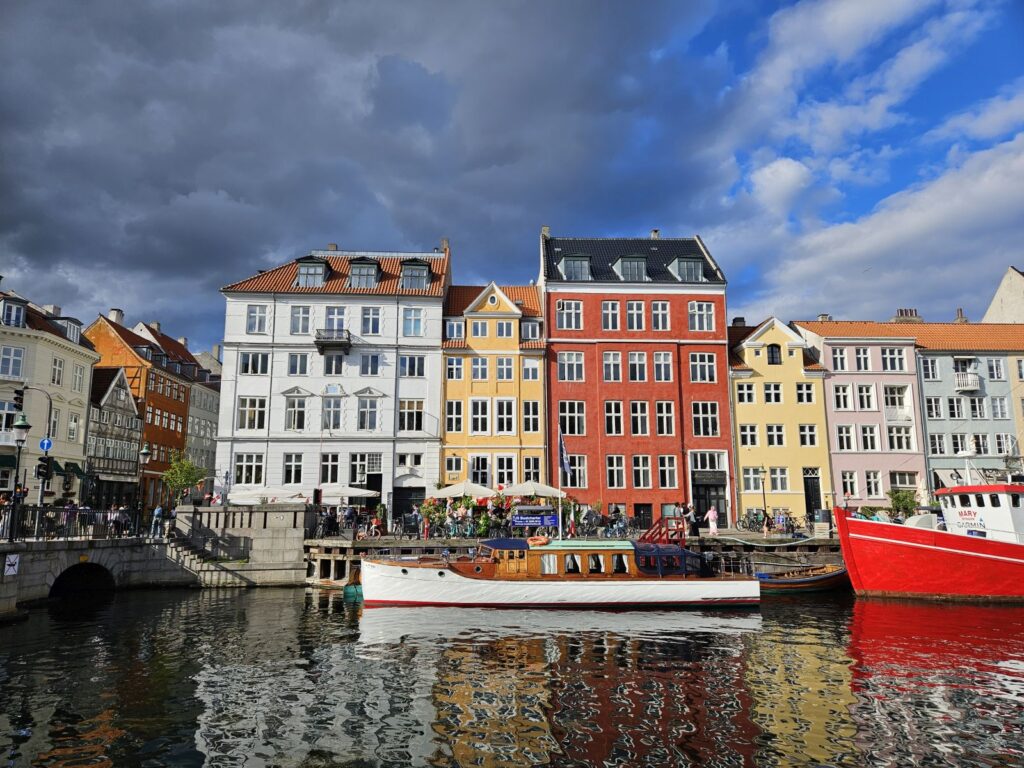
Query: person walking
156, 529
691, 519
712, 520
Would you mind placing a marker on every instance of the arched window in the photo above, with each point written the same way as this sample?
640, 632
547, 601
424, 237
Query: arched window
774, 354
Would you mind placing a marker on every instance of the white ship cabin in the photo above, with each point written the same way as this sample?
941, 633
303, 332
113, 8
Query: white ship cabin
989, 511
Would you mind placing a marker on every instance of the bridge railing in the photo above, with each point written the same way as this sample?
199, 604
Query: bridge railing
27, 523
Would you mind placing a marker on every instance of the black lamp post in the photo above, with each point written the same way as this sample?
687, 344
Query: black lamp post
21, 429
762, 472
144, 455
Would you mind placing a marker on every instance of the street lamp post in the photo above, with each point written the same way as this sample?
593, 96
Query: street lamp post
761, 471
21, 428
144, 455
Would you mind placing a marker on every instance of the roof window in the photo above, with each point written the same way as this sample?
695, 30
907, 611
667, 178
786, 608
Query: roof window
633, 269
72, 329
576, 268
690, 270
362, 275
415, 277
310, 275
13, 313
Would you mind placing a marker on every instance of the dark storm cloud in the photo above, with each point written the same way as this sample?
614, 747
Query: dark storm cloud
174, 147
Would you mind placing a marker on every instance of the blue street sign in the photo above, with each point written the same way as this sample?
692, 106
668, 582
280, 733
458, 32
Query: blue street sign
45, 444
532, 521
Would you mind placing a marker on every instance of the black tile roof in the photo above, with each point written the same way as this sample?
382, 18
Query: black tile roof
604, 252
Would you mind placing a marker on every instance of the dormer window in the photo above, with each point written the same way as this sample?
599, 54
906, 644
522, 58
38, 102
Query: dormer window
310, 275
72, 329
774, 354
362, 276
633, 270
13, 314
576, 268
454, 329
690, 270
530, 329
415, 277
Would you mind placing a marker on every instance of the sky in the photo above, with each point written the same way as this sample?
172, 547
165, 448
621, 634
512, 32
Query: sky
840, 156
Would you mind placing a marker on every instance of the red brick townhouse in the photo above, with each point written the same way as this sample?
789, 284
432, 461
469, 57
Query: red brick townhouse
638, 372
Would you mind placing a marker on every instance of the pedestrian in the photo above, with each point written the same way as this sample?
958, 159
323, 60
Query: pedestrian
418, 521
768, 524
691, 519
712, 520
156, 529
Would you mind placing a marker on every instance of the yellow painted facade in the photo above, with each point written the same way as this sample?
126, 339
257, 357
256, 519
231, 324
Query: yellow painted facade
780, 430
494, 416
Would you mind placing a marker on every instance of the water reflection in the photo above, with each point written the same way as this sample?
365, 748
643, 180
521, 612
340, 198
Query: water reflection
279, 678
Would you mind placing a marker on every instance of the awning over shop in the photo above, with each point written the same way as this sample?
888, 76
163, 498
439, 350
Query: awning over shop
948, 478
57, 468
73, 468
6, 461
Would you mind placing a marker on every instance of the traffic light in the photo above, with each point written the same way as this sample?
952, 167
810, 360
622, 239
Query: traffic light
19, 399
44, 467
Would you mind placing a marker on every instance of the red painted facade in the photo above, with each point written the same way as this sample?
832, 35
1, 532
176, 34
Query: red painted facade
594, 391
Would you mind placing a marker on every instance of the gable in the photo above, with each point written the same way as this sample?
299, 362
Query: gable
492, 300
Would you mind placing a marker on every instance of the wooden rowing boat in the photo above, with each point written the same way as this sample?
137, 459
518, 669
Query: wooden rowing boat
821, 578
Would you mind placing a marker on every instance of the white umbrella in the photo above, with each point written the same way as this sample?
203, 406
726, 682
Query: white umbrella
531, 488
337, 489
465, 488
251, 494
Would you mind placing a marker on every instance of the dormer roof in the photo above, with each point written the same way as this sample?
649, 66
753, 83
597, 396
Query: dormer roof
604, 255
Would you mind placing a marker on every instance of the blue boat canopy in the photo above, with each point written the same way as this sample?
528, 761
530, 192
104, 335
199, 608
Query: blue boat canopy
505, 544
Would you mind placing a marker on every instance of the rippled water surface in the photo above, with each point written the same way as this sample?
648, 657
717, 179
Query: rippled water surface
283, 678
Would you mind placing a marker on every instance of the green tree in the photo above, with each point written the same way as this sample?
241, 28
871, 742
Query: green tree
183, 474
903, 502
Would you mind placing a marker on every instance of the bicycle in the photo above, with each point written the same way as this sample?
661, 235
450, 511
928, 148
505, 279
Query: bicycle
371, 531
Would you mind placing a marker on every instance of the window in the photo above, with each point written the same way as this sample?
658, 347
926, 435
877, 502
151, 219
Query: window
73, 419
999, 410
869, 437
334, 364
330, 467
1006, 444
996, 372
959, 441
659, 316
702, 366
454, 368
638, 366
641, 471
751, 479
57, 372
370, 321
775, 435
779, 477
893, 359
11, 361
933, 407
634, 315
479, 417
480, 469
663, 366
929, 370
773, 393
505, 470
298, 364
978, 410
256, 321
667, 477
863, 358
415, 277
956, 407
774, 354
252, 412
77, 378
639, 422
295, 413
570, 366
366, 414
665, 416
412, 321
504, 368
748, 435
805, 393
844, 437
702, 316
569, 315
633, 270
299, 321
873, 483
503, 329
577, 475
505, 416
980, 444
531, 416
937, 445
849, 480
254, 363
744, 392
454, 329
903, 479
310, 275
612, 366
453, 416
14, 314
572, 417
362, 276
576, 269
410, 415
808, 435
369, 364
453, 464
705, 419
530, 329
248, 469
1020, 369
900, 439
690, 270
841, 397
839, 359
866, 397
531, 369
613, 417
410, 460
531, 469
615, 471
479, 367
411, 366
478, 329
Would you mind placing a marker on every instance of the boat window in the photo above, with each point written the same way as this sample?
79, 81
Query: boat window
595, 564
619, 564
520, 554
965, 500
979, 499
1014, 499
548, 564
572, 564
993, 500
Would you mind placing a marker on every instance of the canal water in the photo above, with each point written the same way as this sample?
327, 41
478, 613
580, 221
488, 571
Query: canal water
286, 678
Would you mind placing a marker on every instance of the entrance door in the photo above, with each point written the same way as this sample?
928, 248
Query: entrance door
403, 499
812, 493
707, 496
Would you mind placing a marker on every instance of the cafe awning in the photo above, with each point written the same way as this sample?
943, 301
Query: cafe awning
7, 461
73, 468
57, 468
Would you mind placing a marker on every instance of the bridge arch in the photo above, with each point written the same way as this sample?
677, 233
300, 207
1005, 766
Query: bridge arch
82, 577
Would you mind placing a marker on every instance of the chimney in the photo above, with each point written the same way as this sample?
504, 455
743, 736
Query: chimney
739, 322
332, 246
444, 244
960, 316
116, 315
824, 317
545, 231
216, 352
183, 340
655, 234
154, 325
906, 315
52, 310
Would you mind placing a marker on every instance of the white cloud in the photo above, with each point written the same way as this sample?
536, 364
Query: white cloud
989, 119
778, 185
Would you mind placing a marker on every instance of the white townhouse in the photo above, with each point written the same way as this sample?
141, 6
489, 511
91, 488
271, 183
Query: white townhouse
332, 374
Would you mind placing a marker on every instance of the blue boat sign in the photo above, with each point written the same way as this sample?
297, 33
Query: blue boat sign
532, 521
45, 444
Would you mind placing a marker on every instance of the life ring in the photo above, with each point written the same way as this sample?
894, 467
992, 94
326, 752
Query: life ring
538, 541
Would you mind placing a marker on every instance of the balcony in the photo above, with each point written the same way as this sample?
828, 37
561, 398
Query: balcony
7, 438
898, 415
333, 339
966, 382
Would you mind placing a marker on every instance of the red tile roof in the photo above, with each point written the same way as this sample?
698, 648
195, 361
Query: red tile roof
282, 279
175, 350
128, 335
40, 321
525, 297
947, 337
739, 333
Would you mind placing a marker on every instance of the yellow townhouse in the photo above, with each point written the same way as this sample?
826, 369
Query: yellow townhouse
493, 386
780, 432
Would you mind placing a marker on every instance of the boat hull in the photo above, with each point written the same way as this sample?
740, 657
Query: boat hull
791, 585
890, 560
385, 584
